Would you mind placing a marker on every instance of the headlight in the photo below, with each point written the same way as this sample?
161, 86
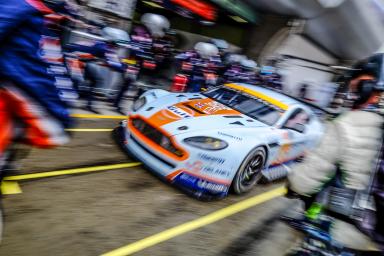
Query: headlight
139, 104
207, 143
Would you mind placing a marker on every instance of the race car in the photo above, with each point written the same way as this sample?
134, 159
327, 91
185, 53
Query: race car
227, 137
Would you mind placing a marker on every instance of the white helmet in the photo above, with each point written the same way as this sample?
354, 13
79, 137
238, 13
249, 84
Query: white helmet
248, 64
206, 50
156, 24
220, 43
235, 58
115, 34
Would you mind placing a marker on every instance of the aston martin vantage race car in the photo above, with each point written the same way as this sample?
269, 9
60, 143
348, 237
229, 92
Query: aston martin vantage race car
227, 137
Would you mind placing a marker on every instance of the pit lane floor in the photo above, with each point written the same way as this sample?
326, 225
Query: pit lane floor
95, 213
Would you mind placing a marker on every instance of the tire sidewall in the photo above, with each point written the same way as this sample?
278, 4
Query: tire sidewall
239, 188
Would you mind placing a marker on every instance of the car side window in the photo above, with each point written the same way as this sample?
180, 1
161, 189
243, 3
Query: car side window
299, 118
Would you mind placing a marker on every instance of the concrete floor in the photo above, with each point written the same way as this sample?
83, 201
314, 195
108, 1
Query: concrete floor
94, 213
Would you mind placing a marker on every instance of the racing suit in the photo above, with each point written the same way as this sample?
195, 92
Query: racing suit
350, 145
31, 108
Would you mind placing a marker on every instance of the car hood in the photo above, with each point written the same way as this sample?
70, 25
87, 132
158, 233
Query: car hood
193, 114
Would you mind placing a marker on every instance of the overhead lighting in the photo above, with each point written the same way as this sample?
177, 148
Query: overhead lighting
207, 23
343, 68
330, 3
238, 19
152, 4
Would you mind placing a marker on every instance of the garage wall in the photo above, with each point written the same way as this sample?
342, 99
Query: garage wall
305, 63
258, 37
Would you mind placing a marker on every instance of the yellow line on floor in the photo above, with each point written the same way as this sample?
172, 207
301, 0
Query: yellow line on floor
89, 130
94, 116
197, 223
10, 188
70, 171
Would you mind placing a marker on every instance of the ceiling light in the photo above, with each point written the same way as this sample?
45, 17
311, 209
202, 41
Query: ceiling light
153, 4
238, 19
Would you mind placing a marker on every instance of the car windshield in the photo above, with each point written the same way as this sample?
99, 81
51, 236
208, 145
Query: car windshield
246, 104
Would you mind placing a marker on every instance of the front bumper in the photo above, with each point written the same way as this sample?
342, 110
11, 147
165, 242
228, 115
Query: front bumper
168, 170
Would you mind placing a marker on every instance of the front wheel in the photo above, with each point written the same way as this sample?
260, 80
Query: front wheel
250, 171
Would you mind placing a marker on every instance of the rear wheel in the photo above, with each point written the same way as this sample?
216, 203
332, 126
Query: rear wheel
249, 172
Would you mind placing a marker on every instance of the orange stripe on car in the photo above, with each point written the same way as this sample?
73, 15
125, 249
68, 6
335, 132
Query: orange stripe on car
152, 144
259, 95
173, 175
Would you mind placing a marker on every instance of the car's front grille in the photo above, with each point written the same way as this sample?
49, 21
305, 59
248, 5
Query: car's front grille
156, 136
167, 163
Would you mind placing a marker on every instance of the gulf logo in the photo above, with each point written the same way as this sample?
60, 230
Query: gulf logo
171, 114
176, 113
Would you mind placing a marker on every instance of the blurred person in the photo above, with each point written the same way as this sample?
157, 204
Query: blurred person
241, 71
201, 65
223, 47
303, 91
104, 53
155, 45
341, 168
32, 106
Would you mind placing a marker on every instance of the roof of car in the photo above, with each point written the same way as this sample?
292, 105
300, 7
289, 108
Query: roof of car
276, 98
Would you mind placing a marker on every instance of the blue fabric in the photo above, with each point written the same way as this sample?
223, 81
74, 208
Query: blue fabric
22, 30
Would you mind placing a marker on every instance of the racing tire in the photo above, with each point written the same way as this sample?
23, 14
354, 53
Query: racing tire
250, 171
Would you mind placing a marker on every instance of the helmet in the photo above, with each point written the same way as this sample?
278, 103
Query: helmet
156, 24
373, 66
220, 43
115, 35
206, 50
235, 58
365, 88
248, 64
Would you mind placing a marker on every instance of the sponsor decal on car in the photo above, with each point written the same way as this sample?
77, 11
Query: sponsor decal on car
211, 107
230, 136
209, 158
216, 171
179, 112
199, 184
211, 186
